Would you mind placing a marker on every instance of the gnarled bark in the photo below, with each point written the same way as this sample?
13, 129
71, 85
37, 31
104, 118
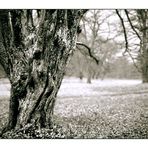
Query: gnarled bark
36, 50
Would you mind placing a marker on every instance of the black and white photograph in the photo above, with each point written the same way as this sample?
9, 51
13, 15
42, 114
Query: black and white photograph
73, 73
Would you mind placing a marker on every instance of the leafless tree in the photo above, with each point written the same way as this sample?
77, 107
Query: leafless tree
101, 48
135, 24
34, 49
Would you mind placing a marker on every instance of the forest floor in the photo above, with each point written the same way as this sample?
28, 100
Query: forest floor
103, 109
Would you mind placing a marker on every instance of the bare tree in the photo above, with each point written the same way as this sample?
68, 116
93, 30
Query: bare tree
34, 49
137, 24
101, 47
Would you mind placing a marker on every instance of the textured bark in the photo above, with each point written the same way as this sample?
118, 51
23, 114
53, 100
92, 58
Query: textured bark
144, 59
145, 54
36, 53
143, 20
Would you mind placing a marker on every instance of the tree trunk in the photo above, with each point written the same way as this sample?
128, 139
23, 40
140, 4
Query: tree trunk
144, 60
36, 56
89, 74
143, 19
34, 103
145, 47
145, 66
89, 79
81, 75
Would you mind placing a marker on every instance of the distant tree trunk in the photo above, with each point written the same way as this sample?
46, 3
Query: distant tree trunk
89, 74
34, 57
89, 79
81, 75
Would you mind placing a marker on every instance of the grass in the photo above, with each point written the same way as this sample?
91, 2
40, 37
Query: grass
103, 109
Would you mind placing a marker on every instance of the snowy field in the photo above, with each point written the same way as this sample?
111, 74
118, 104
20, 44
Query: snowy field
76, 87
4, 87
104, 109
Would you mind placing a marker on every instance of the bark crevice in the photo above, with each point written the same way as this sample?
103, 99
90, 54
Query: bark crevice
36, 51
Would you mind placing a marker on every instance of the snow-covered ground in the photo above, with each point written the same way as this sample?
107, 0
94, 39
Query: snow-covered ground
77, 87
4, 87
102, 109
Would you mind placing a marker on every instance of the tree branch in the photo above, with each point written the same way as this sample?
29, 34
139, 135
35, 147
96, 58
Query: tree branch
126, 12
89, 51
126, 40
124, 30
